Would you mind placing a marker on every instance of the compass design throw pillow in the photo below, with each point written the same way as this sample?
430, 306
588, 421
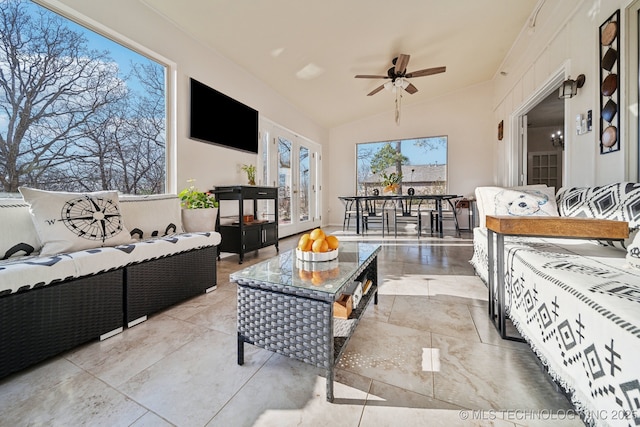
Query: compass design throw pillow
68, 222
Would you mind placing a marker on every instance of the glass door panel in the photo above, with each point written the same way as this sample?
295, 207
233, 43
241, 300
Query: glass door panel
304, 184
284, 181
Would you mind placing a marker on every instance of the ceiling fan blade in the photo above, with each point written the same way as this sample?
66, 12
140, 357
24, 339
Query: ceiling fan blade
411, 89
370, 76
426, 72
376, 90
401, 63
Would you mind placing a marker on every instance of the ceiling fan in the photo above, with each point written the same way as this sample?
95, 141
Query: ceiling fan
398, 75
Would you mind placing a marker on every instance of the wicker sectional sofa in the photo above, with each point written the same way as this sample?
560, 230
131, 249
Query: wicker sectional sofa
575, 302
52, 302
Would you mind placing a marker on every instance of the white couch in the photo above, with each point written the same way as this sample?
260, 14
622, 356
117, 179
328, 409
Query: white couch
576, 302
58, 291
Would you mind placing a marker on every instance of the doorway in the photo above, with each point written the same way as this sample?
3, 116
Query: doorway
546, 112
545, 140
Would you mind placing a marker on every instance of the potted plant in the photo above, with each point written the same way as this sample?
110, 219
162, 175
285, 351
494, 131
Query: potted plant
199, 209
391, 182
251, 173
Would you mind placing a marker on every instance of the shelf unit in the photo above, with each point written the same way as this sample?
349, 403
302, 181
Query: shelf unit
239, 237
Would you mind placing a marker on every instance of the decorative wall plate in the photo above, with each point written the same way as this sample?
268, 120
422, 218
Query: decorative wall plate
609, 59
609, 111
609, 85
609, 33
609, 136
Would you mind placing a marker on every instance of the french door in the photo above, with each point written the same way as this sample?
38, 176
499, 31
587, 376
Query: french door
292, 164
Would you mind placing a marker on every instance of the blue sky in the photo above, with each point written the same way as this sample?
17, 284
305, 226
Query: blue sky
123, 56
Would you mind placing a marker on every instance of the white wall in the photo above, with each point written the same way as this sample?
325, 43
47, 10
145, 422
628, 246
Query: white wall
566, 37
210, 165
466, 117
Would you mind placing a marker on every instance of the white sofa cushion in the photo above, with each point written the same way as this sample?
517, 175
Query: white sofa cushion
149, 216
19, 236
23, 273
533, 200
98, 260
618, 201
68, 222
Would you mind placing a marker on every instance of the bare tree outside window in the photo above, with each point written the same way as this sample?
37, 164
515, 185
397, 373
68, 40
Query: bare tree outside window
72, 118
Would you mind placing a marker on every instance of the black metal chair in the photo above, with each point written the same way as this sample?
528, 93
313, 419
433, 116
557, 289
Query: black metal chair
449, 213
407, 211
349, 211
374, 211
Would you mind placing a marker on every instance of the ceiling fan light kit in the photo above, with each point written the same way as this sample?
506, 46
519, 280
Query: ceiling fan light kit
399, 83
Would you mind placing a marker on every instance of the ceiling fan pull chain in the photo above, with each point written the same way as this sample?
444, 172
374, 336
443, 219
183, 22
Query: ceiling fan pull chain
398, 106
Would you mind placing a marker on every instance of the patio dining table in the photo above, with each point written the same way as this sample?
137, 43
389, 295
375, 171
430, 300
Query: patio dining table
437, 198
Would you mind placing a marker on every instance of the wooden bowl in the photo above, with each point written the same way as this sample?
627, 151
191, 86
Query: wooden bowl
609, 136
609, 59
609, 33
609, 85
609, 111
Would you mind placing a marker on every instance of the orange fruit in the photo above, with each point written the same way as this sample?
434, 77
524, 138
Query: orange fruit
305, 275
317, 278
317, 234
305, 242
320, 245
333, 242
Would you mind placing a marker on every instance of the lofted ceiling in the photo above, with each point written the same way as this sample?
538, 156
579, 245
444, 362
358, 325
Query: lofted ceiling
310, 51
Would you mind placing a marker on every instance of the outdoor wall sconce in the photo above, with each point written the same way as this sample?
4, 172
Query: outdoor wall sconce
570, 87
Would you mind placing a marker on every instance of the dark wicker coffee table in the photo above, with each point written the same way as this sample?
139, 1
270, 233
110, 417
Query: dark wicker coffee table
289, 312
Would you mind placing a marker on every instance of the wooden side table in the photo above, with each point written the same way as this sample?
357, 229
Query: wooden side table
536, 226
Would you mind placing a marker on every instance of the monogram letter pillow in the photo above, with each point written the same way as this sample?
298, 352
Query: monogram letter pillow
68, 222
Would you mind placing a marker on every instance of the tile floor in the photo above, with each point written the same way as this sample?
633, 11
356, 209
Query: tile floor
426, 355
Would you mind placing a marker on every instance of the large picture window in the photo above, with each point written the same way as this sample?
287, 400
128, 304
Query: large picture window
420, 164
78, 112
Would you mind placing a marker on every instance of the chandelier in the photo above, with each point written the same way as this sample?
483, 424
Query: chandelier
557, 140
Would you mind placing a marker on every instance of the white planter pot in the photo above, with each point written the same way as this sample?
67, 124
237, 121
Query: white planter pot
198, 220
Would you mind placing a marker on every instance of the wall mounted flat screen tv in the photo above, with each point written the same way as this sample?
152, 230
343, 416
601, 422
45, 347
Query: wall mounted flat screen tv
218, 119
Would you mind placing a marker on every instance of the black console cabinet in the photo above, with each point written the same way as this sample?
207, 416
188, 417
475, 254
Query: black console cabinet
240, 237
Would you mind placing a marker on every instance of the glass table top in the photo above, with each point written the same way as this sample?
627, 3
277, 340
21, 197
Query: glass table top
328, 276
